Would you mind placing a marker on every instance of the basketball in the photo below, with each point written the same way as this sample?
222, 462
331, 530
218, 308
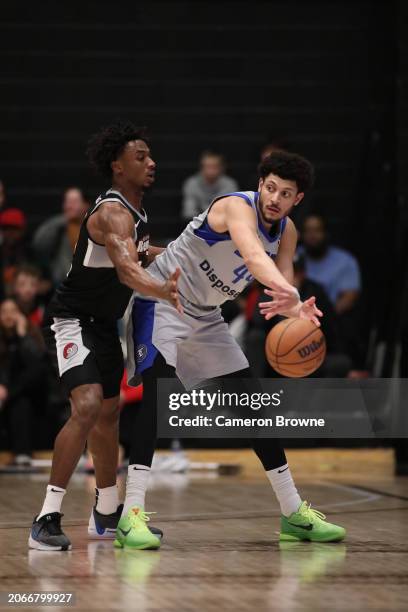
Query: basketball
295, 347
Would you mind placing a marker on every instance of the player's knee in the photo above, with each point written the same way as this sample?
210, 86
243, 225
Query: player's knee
87, 408
109, 414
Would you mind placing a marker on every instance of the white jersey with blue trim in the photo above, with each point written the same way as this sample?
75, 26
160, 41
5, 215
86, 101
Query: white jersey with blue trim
212, 269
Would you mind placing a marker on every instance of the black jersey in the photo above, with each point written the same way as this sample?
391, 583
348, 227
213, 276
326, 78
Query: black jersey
92, 287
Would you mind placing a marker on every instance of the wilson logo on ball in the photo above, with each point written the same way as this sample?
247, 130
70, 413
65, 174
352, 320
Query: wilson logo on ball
308, 349
70, 350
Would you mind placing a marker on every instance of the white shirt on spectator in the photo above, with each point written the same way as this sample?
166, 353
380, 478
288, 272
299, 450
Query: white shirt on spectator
198, 194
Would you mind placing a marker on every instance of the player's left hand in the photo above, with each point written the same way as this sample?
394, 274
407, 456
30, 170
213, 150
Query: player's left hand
305, 310
309, 310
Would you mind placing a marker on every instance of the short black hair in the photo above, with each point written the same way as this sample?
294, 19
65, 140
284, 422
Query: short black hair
106, 146
288, 166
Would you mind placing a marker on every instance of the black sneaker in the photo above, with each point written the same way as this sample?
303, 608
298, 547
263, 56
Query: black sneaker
46, 533
103, 526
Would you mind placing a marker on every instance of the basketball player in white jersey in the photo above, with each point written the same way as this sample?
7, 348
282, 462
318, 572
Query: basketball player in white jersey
241, 236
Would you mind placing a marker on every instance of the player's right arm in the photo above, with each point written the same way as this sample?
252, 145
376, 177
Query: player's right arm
241, 223
116, 226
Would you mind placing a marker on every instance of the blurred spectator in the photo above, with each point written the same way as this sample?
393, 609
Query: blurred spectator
55, 240
336, 269
308, 287
271, 147
338, 272
14, 248
26, 292
211, 181
21, 377
337, 363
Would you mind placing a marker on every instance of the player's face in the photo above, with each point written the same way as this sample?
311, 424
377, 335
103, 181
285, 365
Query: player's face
136, 165
277, 197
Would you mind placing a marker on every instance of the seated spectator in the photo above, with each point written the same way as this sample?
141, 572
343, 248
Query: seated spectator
337, 363
211, 181
21, 377
14, 247
335, 269
55, 240
338, 272
26, 292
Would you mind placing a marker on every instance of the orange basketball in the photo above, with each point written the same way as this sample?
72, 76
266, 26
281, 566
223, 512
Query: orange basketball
295, 347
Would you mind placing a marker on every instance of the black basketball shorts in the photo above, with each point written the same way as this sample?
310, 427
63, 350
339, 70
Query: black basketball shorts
85, 351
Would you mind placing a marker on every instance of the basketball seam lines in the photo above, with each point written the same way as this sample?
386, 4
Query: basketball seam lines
279, 341
297, 343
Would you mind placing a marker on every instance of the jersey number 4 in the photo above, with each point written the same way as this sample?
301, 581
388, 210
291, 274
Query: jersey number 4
241, 273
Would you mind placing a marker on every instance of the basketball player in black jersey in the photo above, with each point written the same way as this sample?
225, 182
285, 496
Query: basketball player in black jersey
81, 327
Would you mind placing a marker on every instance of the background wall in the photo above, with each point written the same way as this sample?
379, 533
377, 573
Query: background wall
319, 75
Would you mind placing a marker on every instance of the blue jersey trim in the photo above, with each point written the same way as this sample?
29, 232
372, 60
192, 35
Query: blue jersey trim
239, 194
144, 350
212, 237
209, 235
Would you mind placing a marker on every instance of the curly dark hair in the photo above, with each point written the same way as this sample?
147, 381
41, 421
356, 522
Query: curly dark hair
288, 166
106, 146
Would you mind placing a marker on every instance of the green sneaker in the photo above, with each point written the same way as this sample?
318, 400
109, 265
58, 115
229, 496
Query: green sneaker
309, 524
132, 531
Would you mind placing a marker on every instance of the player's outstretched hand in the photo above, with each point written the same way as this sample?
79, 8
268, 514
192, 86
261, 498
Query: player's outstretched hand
285, 299
303, 310
170, 292
309, 310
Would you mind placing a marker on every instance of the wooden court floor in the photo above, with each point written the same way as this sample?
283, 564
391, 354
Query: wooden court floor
221, 550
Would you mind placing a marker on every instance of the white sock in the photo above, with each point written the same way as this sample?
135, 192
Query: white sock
285, 490
53, 500
107, 499
136, 485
